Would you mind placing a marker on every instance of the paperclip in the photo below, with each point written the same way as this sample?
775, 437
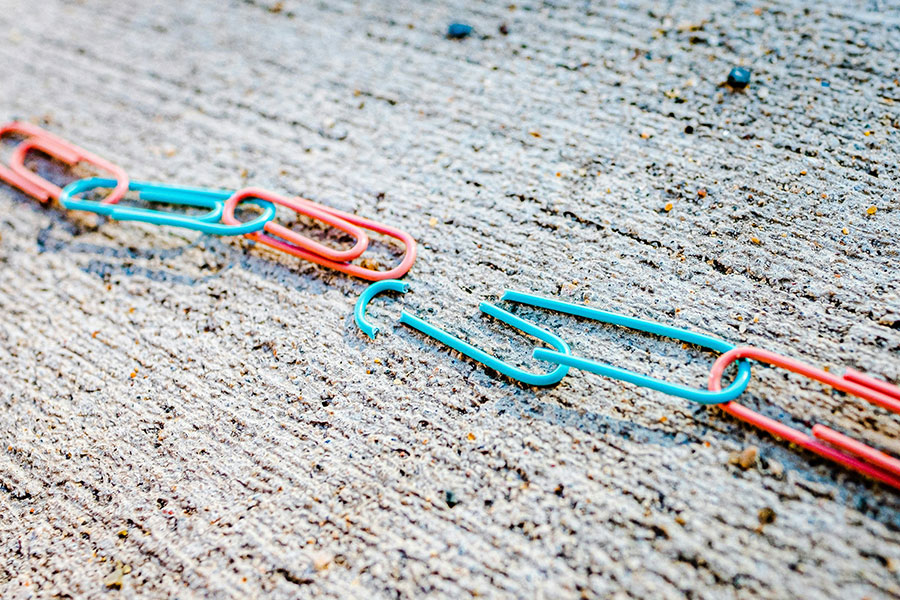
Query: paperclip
13, 178
856, 455
704, 341
498, 365
347, 267
294, 239
359, 311
167, 194
69, 154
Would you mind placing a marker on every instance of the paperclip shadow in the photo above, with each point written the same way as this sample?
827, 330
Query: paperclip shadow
734, 390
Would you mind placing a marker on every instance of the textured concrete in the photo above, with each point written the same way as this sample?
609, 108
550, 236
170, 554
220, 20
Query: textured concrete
194, 417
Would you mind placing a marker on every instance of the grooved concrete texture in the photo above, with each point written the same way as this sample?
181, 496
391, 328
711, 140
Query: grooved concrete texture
195, 417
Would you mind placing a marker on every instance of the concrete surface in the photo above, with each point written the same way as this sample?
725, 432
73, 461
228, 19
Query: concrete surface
194, 417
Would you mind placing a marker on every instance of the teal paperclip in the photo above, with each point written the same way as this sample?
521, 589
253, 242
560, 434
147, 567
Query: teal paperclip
734, 390
498, 365
167, 194
359, 312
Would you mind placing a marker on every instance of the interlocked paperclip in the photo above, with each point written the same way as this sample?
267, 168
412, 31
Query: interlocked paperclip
700, 396
462, 346
344, 267
167, 194
839, 447
13, 178
294, 239
64, 151
507, 369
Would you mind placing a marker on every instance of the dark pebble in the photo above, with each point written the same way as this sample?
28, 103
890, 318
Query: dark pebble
450, 498
504, 29
739, 77
458, 31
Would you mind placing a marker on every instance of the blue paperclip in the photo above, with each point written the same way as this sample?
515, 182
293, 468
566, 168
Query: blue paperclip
734, 390
498, 365
168, 194
359, 312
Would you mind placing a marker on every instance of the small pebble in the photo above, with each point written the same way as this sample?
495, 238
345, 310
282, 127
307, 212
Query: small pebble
746, 458
766, 516
458, 31
504, 29
738, 78
450, 498
872, 210
321, 560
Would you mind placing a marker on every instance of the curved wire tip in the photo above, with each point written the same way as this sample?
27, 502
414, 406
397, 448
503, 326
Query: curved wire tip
359, 312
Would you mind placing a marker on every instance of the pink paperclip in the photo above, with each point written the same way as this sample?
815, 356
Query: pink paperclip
64, 151
839, 447
344, 267
294, 239
11, 177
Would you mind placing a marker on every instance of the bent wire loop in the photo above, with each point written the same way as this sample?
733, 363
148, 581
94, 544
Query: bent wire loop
13, 178
359, 311
839, 447
69, 154
498, 365
167, 194
293, 239
734, 390
346, 267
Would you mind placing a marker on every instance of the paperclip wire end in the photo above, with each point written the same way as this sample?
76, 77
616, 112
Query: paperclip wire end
734, 390
474, 353
359, 312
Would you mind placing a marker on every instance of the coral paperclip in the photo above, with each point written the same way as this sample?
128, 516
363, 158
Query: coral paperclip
13, 178
293, 239
824, 441
61, 150
311, 208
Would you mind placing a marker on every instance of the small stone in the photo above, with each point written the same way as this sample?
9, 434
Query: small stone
503, 29
872, 210
114, 580
766, 516
458, 31
667, 207
746, 458
738, 78
123, 533
776, 468
321, 560
450, 498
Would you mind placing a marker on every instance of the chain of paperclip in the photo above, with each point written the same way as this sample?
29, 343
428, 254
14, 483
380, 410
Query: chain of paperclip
220, 220
824, 441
